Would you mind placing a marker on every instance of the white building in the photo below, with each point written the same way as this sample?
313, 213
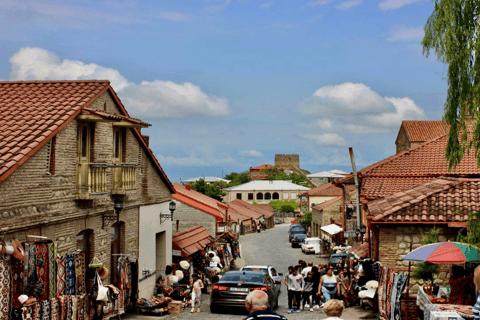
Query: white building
322, 177
264, 191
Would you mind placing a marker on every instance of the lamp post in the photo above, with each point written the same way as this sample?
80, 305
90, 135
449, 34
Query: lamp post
171, 206
117, 207
361, 230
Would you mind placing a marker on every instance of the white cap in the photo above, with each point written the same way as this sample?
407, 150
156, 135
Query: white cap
22, 298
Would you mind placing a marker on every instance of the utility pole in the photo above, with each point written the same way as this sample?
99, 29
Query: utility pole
357, 185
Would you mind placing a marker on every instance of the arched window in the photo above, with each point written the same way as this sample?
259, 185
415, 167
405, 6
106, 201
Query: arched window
275, 196
116, 247
85, 245
268, 196
259, 196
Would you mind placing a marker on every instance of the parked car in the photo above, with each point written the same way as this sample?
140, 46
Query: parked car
336, 258
234, 286
270, 270
295, 229
278, 221
298, 239
308, 244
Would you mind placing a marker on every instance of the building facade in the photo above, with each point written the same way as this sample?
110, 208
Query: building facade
264, 191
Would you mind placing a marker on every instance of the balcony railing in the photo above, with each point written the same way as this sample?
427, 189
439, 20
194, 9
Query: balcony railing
91, 179
124, 178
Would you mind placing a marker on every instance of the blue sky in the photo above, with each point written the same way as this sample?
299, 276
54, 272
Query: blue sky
227, 84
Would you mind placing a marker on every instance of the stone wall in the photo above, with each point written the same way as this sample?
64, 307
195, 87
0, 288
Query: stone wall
190, 217
395, 243
287, 160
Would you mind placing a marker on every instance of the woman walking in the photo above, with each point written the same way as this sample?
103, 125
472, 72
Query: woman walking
329, 285
196, 292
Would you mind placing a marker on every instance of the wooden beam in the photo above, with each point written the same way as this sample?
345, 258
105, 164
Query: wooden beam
92, 118
126, 124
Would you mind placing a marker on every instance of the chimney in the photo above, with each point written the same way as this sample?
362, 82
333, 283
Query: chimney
187, 187
147, 139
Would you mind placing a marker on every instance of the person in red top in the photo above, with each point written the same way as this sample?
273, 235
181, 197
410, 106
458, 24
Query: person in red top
458, 282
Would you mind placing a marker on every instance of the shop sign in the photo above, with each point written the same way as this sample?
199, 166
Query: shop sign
177, 253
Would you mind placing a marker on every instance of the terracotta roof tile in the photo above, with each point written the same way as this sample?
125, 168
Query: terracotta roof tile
328, 189
327, 204
460, 198
191, 240
421, 131
263, 166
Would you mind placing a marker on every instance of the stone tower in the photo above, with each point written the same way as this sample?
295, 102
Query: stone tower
287, 160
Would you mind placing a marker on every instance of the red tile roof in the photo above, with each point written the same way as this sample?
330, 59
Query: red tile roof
35, 111
116, 117
361, 250
421, 131
200, 201
256, 208
327, 204
191, 240
263, 166
440, 200
243, 210
412, 167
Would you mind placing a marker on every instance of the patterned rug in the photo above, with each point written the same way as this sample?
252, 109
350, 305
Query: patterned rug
80, 274
54, 309
382, 294
61, 275
27, 312
63, 307
69, 310
37, 311
46, 310
390, 275
52, 273
397, 288
74, 307
41, 265
70, 278
18, 272
5, 287
81, 307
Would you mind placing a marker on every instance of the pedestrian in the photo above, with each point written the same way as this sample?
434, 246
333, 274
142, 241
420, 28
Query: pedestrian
307, 269
294, 283
309, 292
476, 281
196, 292
256, 304
333, 309
316, 282
329, 285
346, 284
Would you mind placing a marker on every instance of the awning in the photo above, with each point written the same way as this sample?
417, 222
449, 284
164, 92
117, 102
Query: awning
331, 229
360, 250
191, 240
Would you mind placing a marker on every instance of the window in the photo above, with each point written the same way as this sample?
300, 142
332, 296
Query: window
250, 196
275, 196
85, 142
50, 163
255, 173
285, 195
239, 196
268, 196
259, 196
118, 145
294, 195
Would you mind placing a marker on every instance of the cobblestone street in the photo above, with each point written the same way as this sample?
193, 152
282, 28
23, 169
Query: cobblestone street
268, 247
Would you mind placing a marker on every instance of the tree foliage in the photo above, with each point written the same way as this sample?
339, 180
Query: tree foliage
452, 32
473, 231
238, 178
213, 190
278, 204
274, 173
426, 270
307, 219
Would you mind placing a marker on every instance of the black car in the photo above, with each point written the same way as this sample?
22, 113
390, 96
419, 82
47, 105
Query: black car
298, 239
234, 286
336, 258
295, 229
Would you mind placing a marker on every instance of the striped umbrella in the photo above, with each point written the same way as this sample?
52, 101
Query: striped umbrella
445, 252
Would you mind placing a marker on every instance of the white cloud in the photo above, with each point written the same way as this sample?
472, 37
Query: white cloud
326, 139
395, 4
356, 108
324, 123
173, 16
149, 99
250, 153
266, 5
318, 3
345, 5
404, 33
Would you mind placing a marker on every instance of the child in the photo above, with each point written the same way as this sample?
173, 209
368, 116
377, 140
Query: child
308, 291
196, 291
295, 283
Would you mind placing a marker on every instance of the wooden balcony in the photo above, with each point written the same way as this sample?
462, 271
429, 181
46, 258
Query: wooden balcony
91, 179
124, 178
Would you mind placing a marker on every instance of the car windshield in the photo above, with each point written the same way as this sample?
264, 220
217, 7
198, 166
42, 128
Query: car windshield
297, 228
255, 269
311, 241
299, 236
243, 277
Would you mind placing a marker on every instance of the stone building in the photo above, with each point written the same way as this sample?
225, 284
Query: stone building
414, 133
290, 163
258, 172
69, 152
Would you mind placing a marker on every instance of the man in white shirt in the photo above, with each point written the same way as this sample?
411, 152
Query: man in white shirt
294, 283
307, 269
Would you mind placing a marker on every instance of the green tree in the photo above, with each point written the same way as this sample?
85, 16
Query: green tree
307, 219
238, 178
213, 190
287, 208
452, 32
277, 204
426, 270
472, 235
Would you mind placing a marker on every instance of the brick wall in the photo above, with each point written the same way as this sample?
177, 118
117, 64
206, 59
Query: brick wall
190, 217
33, 202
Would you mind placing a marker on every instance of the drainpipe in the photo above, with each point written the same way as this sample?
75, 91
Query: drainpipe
357, 186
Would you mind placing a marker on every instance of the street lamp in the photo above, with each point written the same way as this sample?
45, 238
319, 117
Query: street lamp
117, 207
171, 206
361, 231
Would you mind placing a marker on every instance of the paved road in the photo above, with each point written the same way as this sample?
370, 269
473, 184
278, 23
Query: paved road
268, 247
